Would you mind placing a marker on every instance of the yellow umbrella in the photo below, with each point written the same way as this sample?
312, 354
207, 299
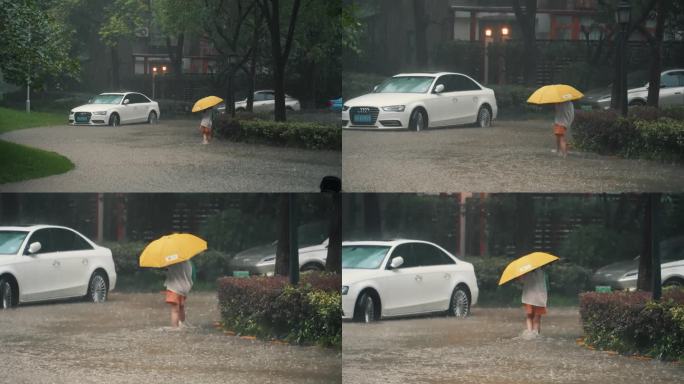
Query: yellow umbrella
171, 249
552, 94
206, 102
525, 264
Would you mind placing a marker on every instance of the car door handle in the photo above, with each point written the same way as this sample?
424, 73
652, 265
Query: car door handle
678, 93
419, 278
454, 99
56, 263
85, 261
447, 276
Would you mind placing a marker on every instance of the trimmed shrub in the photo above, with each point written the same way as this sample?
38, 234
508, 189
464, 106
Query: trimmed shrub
512, 99
269, 307
631, 323
292, 133
662, 139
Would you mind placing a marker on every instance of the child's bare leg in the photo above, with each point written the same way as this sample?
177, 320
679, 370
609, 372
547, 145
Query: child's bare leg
563, 146
175, 314
536, 323
181, 313
529, 321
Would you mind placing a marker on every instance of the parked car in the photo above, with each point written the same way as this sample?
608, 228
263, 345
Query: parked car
623, 275
260, 260
418, 101
116, 108
46, 262
383, 279
671, 91
264, 101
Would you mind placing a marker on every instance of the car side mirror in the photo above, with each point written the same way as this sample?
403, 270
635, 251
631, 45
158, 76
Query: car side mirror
90, 101
126, 101
397, 262
34, 248
439, 88
375, 88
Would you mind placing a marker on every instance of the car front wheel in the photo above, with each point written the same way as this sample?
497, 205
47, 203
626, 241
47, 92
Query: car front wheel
97, 288
365, 311
484, 117
6, 294
460, 303
114, 120
152, 118
419, 120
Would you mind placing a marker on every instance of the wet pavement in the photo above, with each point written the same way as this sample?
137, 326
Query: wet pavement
169, 157
126, 341
511, 156
486, 348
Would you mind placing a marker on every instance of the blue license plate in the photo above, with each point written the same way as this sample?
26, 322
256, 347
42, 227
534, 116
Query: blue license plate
363, 119
82, 119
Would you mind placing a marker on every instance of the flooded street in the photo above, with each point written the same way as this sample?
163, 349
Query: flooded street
126, 341
485, 348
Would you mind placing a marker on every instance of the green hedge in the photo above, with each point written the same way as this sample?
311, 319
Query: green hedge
646, 133
269, 307
631, 323
292, 133
566, 280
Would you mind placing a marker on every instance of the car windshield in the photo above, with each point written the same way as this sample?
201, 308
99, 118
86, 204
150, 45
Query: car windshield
106, 99
405, 84
363, 256
10, 241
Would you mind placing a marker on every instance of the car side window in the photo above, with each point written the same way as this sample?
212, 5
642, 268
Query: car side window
136, 99
269, 96
43, 237
669, 80
463, 83
66, 240
259, 96
406, 252
142, 98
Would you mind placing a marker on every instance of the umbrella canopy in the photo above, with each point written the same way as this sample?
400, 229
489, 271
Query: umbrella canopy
525, 264
556, 93
171, 249
206, 102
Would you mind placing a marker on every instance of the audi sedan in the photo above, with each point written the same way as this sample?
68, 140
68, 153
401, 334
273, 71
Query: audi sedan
382, 279
264, 101
45, 262
418, 101
115, 109
671, 91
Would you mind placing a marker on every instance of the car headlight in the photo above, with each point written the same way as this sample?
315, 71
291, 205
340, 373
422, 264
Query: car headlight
100, 113
345, 108
345, 289
71, 112
394, 108
267, 260
606, 97
629, 276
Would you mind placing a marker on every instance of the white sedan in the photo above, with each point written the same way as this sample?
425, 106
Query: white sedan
115, 109
44, 262
264, 101
404, 277
418, 101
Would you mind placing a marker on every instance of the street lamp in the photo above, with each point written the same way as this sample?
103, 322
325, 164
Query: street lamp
155, 71
488, 39
504, 31
622, 17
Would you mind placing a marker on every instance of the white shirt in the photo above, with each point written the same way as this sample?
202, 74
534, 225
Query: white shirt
206, 118
565, 114
534, 288
179, 278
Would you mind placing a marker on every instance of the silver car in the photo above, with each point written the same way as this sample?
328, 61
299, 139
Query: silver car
671, 91
623, 275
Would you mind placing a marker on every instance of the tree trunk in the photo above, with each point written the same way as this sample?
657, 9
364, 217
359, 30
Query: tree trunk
333, 262
644, 279
283, 249
116, 85
371, 216
656, 55
176, 57
420, 23
527, 21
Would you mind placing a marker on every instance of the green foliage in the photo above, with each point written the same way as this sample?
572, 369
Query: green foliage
268, 307
293, 133
596, 245
358, 84
33, 44
122, 18
20, 162
645, 133
177, 16
631, 323
512, 100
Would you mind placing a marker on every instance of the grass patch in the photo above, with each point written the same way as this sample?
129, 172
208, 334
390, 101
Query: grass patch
20, 162
11, 119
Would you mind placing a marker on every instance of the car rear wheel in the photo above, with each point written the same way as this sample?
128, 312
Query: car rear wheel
152, 118
6, 294
419, 120
97, 288
312, 267
114, 120
674, 283
365, 311
460, 303
637, 103
484, 117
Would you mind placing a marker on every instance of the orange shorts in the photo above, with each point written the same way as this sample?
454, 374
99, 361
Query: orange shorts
174, 298
559, 130
205, 130
534, 310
